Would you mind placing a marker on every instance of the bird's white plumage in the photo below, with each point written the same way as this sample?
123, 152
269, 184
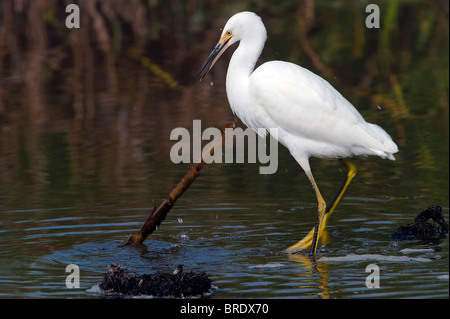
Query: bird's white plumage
313, 118
317, 118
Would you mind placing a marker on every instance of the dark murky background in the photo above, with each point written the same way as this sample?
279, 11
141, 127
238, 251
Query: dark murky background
85, 120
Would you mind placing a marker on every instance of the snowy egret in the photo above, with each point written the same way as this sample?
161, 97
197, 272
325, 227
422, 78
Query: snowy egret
312, 117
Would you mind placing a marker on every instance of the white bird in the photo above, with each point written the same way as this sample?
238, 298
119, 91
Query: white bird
312, 117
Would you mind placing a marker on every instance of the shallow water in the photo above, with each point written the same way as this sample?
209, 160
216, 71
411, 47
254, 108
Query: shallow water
76, 181
237, 237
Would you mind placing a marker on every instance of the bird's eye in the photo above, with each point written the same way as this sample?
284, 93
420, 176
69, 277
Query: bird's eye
228, 33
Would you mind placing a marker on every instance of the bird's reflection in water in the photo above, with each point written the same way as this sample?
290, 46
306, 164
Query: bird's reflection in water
319, 271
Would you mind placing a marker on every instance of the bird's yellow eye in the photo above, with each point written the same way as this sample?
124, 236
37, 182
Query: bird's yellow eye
228, 33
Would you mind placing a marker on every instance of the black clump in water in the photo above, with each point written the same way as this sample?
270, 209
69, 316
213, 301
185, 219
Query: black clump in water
429, 224
180, 284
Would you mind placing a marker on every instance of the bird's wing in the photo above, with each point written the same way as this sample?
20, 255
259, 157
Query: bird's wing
305, 105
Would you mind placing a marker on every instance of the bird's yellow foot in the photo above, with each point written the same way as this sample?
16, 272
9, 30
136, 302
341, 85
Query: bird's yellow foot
302, 244
307, 241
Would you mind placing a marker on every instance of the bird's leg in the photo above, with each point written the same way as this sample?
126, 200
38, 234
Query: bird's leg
318, 231
320, 225
308, 239
351, 172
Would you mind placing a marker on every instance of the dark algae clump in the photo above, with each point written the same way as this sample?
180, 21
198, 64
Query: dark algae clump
179, 284
429, 224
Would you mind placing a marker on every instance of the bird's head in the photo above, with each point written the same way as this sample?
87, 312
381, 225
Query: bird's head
242, 25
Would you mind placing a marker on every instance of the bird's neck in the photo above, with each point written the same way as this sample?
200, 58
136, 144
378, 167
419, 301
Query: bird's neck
241, 66
244, 59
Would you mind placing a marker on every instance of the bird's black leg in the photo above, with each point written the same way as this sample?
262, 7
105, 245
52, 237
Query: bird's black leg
351, 173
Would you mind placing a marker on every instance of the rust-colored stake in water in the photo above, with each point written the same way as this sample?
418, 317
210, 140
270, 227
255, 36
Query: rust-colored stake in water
158, 215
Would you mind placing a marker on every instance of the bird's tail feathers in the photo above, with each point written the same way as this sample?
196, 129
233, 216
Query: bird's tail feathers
387, 147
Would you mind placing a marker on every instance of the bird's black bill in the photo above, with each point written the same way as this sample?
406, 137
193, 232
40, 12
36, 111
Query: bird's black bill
208, 63
212, 58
